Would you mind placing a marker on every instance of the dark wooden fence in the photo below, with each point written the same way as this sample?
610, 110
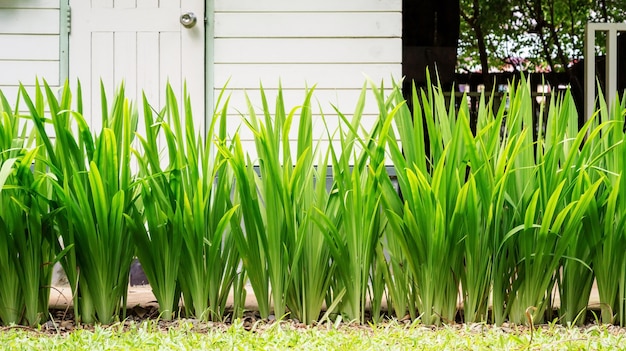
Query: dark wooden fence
472, 86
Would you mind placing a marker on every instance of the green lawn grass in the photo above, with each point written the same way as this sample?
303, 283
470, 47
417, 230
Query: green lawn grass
190, 335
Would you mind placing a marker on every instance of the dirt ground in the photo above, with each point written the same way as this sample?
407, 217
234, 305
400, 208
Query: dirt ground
142, 306
61, 298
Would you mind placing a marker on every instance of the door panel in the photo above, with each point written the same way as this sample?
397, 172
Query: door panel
140, 42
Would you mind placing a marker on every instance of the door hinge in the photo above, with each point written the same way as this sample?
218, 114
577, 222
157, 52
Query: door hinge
68, 19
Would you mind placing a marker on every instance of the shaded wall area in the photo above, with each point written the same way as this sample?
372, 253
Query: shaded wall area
430, 33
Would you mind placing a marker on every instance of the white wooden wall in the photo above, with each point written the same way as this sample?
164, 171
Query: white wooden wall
333, 44
29, 43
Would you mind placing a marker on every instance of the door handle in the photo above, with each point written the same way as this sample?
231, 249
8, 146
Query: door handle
188, 19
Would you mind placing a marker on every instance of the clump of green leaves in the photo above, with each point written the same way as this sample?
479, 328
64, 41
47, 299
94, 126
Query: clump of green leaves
188, 245
283, 250
609, 222
28, 235
500, 213
94, 190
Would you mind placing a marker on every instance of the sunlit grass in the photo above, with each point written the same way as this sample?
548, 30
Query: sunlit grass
185, 335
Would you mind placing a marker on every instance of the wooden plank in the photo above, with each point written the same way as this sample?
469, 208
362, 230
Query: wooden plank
79, 52
345, 100
104, 4
125, 4
125, 62
30, 4
304, 6
29, 21
29, 47
102, 50
323, 145
192, 60
125, 20
169, 70
14, 72
310, 24
319, 129
170, 63
323, 99
334, 76
293, 50
148, 70
10, 93
147, 3
171, 4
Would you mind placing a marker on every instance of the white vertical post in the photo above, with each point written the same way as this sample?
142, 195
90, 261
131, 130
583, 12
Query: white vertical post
611, 65
590, 69
611, 30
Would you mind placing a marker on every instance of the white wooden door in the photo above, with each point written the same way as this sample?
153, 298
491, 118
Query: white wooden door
139, 42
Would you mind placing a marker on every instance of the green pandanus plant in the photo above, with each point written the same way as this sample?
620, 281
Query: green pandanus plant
423, 218
95, 191
188, 244
609, 262
354, 222
283, 250
27, 246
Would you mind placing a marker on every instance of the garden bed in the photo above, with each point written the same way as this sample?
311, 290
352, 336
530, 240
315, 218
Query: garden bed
142, 304
512, 209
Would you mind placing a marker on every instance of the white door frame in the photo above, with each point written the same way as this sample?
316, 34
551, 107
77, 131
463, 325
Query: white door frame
209, 59
207, 21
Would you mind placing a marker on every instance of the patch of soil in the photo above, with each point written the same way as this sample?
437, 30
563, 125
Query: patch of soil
63, 322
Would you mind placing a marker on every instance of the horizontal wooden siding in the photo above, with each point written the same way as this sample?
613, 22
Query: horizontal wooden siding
29, 38
334, 45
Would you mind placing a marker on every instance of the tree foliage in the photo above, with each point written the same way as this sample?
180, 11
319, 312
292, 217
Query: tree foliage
535, 35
